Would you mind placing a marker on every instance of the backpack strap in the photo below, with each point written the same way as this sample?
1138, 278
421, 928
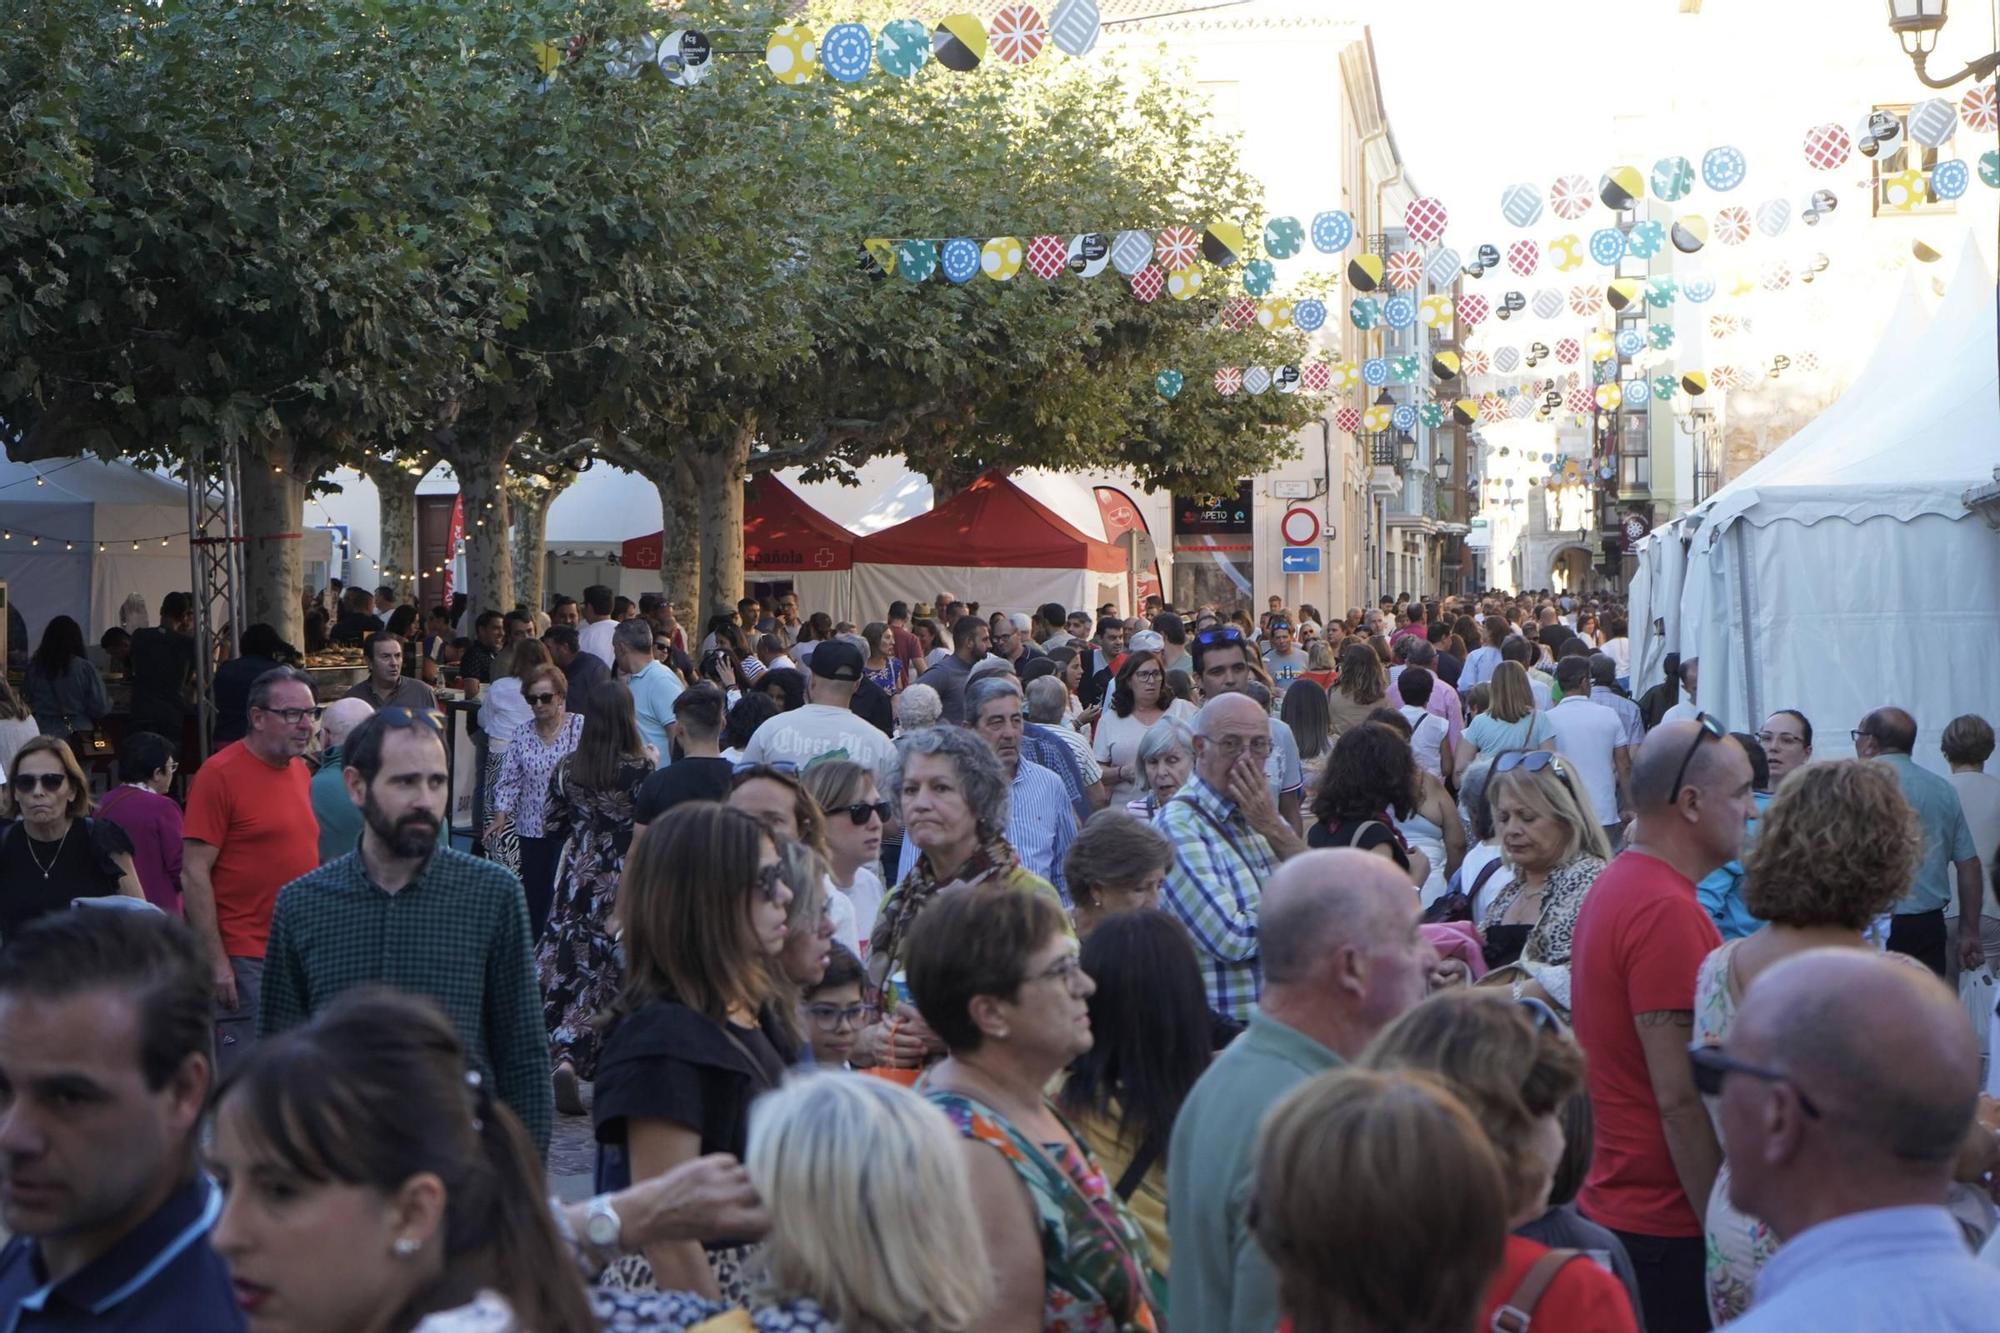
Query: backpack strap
1517, 1313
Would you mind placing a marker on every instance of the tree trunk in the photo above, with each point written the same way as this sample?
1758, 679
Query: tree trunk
719, 468
273, 509
396, 494
681, 536
531, 546
489, 564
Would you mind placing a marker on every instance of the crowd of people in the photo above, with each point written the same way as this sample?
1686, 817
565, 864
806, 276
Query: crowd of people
977, 971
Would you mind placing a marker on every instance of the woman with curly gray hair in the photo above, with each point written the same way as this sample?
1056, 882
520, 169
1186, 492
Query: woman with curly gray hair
950, 796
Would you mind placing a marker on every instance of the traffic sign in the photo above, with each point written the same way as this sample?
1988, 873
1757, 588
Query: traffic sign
1299, 527
1300, 560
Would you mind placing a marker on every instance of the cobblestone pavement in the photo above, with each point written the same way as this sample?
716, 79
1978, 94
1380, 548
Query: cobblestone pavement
572, 1154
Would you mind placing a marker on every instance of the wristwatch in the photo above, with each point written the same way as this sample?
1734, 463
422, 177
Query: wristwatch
601, 1226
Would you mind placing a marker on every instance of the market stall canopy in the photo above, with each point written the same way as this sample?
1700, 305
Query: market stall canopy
991, 524
782, 534
79, 503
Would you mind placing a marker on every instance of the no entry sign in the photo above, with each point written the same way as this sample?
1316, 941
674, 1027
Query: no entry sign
1299, 527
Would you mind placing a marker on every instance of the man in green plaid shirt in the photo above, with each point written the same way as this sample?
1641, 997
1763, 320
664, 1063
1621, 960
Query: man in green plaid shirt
401, 910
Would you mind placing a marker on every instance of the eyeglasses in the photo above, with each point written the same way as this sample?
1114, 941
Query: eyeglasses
770, 879
1856, 735
290, 716
1771, 740
861, 810
1545, 1018
834, 1017
1709, 1064
542, 698
1235, 745
1066, 971
45, 781
1709, 727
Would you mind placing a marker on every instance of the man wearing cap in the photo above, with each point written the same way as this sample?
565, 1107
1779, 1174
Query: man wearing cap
826, 727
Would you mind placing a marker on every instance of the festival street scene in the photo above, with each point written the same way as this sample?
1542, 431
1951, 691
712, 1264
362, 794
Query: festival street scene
999, 666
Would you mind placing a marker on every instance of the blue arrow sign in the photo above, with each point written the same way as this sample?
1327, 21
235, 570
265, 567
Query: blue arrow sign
1299, 560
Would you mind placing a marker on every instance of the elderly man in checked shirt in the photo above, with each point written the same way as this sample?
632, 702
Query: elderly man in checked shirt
401, 910
1228, 838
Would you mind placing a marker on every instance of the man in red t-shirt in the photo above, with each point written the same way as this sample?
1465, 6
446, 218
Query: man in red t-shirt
249, 832
1641, 935
906, 648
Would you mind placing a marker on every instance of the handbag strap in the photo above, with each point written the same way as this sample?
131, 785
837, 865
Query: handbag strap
1479, 881
1135, 1171
1517, 1313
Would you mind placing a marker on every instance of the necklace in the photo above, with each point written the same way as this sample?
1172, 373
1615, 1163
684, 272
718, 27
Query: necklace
49, 869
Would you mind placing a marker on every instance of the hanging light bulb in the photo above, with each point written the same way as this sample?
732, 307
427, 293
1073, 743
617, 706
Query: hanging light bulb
34, 541
135, 546
163, 541
69, 546
100, 548
40, 480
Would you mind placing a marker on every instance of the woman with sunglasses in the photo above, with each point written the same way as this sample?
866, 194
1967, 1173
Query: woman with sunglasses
1139, 698
591, 798
694, 1033
1510, 722
54, 851
520, 793
776, 796
855, 814
1556, 849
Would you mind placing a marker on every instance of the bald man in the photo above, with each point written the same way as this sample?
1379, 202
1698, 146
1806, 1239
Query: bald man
1641, 936
1228, 837
1951, 859
1343, 955
1846, 1088
339, 820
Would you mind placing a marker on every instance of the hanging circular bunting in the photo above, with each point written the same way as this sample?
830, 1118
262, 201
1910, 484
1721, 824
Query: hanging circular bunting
1609, 397
1827, 146
1364, 272
960, 259
1435, 311
1047, 256
847, 52
1524, 257
1332, 231
1698, 287
1568, 350
1183, 283
1074, 26
1148, 283
903, 48
1403, 270
791, 55
1607, 245
1949, 179
1315, 377
1693, 383
1375, 372
1238, 312
1659, 337
1309, 314
1506, 360
685, 57
1522, 407
1579, 400
1000, 258
1484, 258
1989, 169
1776, 276
1403, 418
1620, 188
1431, 414
1472, 310
1364, 313
1477, 363
1228, 380
1661, 291
1018, 33
1732, 225
1256, 379
1773, 216
1723, 169
916, 260
628, 61
883, 252
1274, 315
1465, 412
1348, 420
1283, 237
1628, 342
1566, 253
1980, 109
1168, 383
1933, 122
1375, 418
1690, 233
1624, 293
1425, 220
1646, 239
1177, 248
1399, 312
1444, 267
1664, 387
1346, 375
1880, 134
1285, 379
1513, 303
1222, 244
1088, 255
1672, 178
1904, 190
1445, 365
959, 42
1585, 300
1131, 251
1521, 204
1258, 277
1570, 197
1548, 303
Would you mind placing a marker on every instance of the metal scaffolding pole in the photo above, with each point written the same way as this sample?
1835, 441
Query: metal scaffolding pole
215, 557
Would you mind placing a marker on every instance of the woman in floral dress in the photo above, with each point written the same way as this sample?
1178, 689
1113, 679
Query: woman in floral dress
591, 798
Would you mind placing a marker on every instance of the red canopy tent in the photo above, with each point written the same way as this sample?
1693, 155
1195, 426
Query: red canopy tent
992, 543
783, 537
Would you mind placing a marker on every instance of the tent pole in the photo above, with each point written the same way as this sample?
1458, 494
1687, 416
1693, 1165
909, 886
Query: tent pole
215, 560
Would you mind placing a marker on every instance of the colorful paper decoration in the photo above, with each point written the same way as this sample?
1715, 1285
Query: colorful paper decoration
1285, 379
1374, 418
1904, 190
1000, 258
1585, 300
1694, 383
1228, 380
1406, 369
1776, 277
1403, 418
1548, 303
1017, 34
1568, 350
1088, 254
1444, 267
1521, 204
1477, 363
1258, 276
1465, 411
1607, 246
1524, 257
1177, 247
1620, 188
847, 52
1332, 231
1431, 414
1579, 400
1646, 239
903, 48
1628, 342
1434, 311
1664, 387
1047, 256
1624, 293
1283, 237
1346, 375
1403, 270
1698, 287
1256, 379
1506, 360
1949, 179
1316, 378
1364, 313
1609, 397
1690, 233
791, 55
1980, 109
1472, 310
1222, 244
1309, 314
1880, 134
1989, 169
1348, 419
1723, 169
1570, 197
916, 260
1522, 407
1399, 312
1672, 178
1375, 371
1827, 146
1168, 384
1445, 365
1148, 283
1364, 272
1660, 291
960, 259
959, 42
1274, 315
1074, 26
685, 57
1425, 220
1566, 253
1933, 122
1732, 225
1773, 216
883, 251
1130, 251
1183, 283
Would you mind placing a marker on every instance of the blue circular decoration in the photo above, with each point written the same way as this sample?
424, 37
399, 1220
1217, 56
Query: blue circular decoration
1603, 372
1309, 314
1628, 342
1698, 287
1258, 275
1646, 239
1375, 372
916, 260
1659, 337
1399, 312
1949, 179
1607, 245
903, 48
846, 52
1660, 292
960, 257
1989, 169
1365, 313
1637, 392
1332, 232
1673, 177
1168, 383
1283, 237
1723, 168
1404, 418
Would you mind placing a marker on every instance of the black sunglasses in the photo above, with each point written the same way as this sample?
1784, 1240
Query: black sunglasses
1709, 727
742, 773
543, 698
1534, 761
46, 781
398, 716
860, 810
1709, 1064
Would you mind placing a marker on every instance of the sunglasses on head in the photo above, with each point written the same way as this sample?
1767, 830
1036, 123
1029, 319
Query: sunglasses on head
860, 810
45, 781
398, 716
1709, 727
1208, 638
781, 769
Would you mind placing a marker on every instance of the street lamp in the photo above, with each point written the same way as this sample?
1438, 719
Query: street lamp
1406, 449
1442, 469
1916, 24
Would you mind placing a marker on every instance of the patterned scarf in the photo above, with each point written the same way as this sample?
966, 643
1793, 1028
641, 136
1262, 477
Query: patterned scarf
916, 892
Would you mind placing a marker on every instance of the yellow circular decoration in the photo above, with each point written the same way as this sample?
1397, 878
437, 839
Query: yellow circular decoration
1375, 418
1622, 293
1609, 396
1621, 187
1904, 190
1345, 376
1434, 311
883, 251
1183, 283
1000, 258
1694, 384
1465, 411
1445, 365
792, 54
1690, 233
1222, 244
1364, 274
1566, 253
1274, 315
1600, 345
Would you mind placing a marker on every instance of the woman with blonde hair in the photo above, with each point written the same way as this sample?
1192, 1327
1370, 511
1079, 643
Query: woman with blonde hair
1510, 721
1553, 844
1363, 687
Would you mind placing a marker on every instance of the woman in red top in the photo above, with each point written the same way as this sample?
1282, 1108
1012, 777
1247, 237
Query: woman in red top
1513, 1063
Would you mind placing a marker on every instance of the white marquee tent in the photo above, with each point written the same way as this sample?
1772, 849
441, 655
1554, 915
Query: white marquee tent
49, 534
1844, 572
